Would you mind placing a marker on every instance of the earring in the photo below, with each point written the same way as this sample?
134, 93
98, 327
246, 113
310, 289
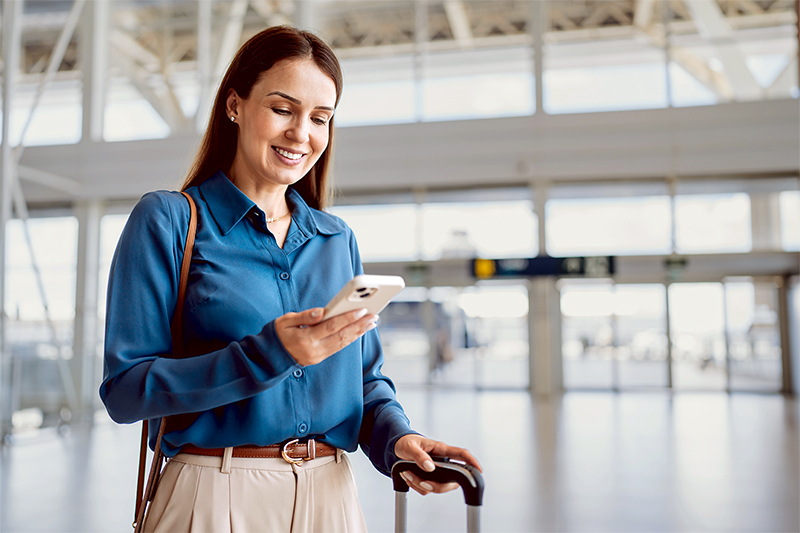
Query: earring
233, 119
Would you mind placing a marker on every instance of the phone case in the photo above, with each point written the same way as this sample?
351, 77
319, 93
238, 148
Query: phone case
365, 291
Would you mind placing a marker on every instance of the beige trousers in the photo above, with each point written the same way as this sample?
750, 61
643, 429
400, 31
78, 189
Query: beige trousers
242, 495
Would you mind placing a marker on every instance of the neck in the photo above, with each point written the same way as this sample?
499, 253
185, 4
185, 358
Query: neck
269, 197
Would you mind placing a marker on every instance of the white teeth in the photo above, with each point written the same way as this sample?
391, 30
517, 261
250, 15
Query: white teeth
288, 155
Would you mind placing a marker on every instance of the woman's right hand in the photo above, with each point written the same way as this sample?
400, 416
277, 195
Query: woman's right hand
311, 340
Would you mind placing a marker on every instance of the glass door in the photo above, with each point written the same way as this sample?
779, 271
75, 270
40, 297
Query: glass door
754, 343
613, 335
697, 333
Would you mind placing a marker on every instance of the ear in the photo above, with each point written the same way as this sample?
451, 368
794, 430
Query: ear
232, 103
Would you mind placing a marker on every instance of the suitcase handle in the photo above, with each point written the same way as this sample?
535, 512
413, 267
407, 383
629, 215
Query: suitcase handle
446, 471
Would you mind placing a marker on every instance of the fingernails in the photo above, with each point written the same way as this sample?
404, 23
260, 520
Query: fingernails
360, 313
427, 486
428, 466
406, 477
316, 312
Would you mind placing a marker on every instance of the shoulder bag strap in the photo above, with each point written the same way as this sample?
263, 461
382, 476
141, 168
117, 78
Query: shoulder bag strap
176, 330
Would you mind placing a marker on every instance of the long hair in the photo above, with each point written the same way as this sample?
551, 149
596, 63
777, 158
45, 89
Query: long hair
255, 57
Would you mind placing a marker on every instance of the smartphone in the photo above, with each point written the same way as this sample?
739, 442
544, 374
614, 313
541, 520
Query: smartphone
365, 292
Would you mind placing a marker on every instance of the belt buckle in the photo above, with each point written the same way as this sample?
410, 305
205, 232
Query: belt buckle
297, 462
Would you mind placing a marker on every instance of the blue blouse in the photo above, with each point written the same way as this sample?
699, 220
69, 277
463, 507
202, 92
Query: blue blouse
238, 383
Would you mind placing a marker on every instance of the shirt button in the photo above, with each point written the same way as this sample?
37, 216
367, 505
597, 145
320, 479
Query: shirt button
284, 276
302, 428
298, 373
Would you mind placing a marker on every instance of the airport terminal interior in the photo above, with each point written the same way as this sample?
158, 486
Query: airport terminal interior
595, 205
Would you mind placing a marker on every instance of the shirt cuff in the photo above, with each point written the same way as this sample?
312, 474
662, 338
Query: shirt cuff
275, 359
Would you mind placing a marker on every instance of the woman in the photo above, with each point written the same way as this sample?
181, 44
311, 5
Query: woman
263, 366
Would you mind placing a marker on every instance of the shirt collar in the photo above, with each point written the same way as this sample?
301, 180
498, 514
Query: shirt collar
228, 205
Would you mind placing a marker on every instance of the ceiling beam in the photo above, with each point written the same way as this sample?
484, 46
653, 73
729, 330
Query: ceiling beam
459, 22
164, 102
133, 49
712, 25
50, 180
643, 13
230, 36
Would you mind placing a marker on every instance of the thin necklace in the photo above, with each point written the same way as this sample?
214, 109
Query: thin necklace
270, 219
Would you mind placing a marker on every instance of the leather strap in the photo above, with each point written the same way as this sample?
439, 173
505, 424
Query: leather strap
176, 330
298, 450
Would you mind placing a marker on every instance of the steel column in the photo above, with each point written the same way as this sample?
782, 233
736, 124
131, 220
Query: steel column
12, 37
203, 64
84, 361
94, 60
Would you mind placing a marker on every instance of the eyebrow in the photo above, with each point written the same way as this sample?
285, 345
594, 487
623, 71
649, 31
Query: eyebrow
296, 101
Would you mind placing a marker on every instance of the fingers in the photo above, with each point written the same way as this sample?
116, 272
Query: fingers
311, 340
337, 332
306, 318
421, 457
417, 448
426, 487
459, 454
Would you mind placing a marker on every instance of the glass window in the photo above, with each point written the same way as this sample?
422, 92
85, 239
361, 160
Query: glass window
477, 83
384, 232
605, 88
712, 223
377, 91
55, 245
687, 90
56, 120
129, 117
111, 227
603, 75
479, 229
621, 226
790, 220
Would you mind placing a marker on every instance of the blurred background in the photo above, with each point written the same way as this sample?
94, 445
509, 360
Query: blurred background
595, 205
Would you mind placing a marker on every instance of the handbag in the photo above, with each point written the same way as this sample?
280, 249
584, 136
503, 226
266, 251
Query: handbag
144, 494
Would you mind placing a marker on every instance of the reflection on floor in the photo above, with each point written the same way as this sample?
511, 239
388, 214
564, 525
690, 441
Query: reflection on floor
583, 462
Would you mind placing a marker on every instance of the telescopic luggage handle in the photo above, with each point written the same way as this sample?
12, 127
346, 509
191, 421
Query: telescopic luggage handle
467, 476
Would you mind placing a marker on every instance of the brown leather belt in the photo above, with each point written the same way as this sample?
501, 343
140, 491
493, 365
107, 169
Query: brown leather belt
293, 451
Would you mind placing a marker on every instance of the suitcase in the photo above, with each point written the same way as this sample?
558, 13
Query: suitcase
468, 477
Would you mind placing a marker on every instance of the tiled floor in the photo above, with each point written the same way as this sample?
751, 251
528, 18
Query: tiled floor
584, 462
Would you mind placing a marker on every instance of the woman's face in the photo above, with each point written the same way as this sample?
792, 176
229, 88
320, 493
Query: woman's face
284, 124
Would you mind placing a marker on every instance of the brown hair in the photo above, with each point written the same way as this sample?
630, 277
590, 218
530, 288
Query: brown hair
255, 57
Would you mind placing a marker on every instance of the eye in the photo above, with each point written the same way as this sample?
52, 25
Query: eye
319, 121
281, 111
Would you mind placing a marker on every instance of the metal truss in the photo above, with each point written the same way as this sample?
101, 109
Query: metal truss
151, 41
161, 36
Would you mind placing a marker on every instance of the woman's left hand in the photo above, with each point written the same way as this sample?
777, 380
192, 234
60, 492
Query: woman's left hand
417, 448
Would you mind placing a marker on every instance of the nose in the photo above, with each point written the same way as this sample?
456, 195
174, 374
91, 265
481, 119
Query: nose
298, 130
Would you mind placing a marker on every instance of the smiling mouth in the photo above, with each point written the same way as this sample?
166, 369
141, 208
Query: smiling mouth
288, 155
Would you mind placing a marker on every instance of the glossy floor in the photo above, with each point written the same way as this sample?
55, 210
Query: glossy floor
637, 462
